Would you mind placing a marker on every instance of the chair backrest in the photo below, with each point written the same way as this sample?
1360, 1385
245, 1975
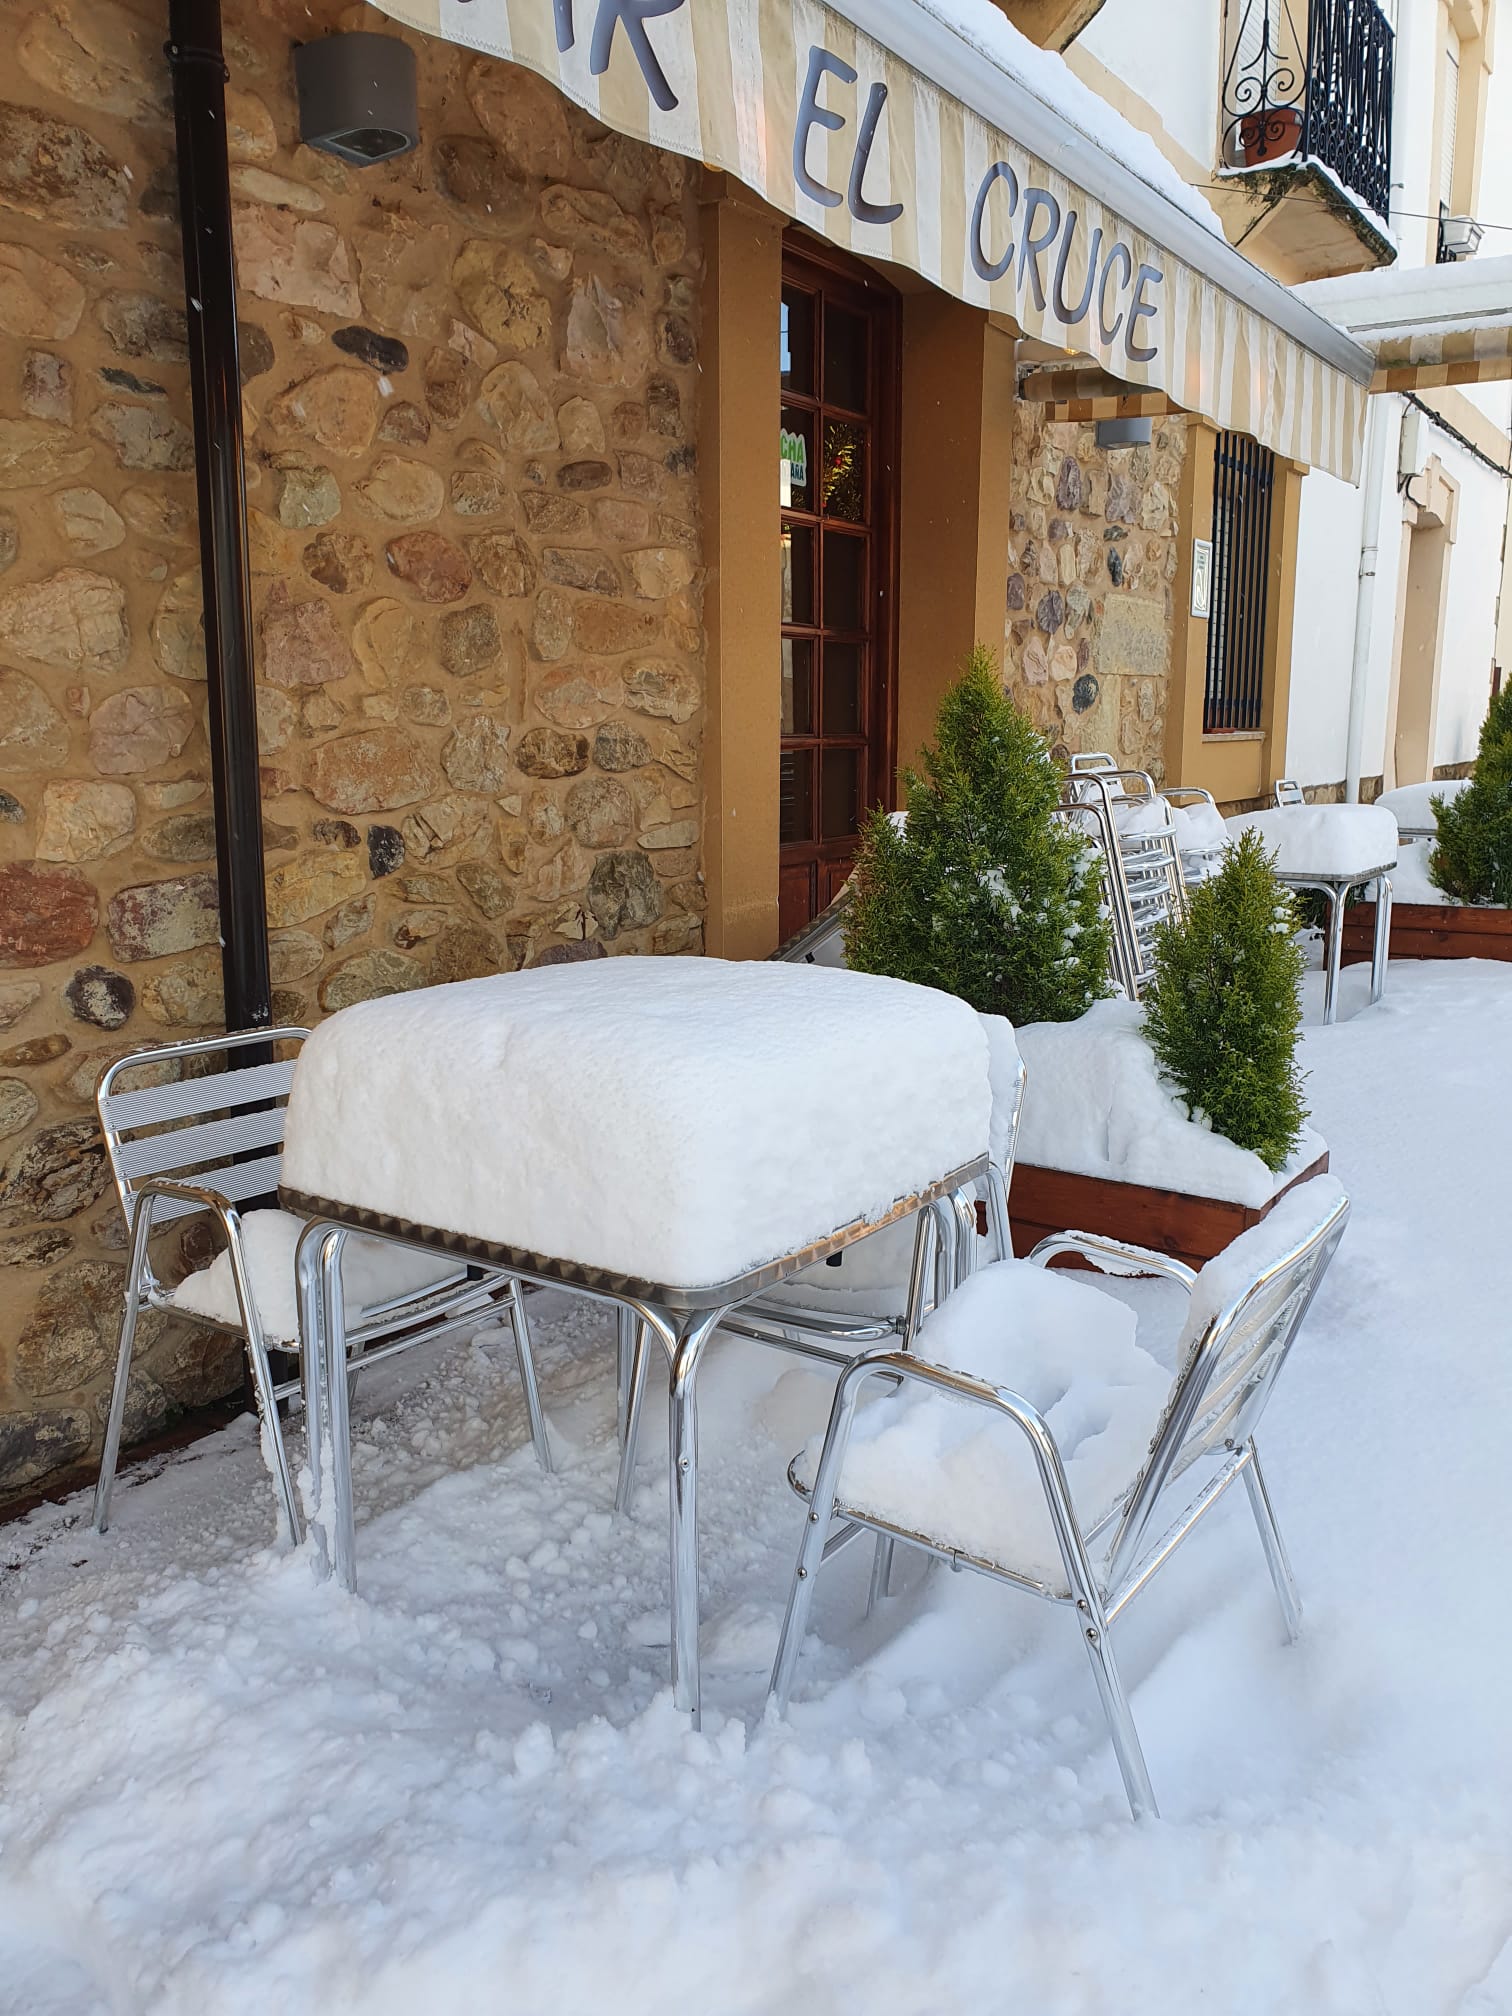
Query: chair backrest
1247, 1307
220, 1129
820, 942
1289, 792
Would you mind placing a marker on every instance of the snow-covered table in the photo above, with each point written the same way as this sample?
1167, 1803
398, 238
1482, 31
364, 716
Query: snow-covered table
1333, 849
674, 1136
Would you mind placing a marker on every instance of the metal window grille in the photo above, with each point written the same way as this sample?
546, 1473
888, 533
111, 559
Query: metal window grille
1243, 485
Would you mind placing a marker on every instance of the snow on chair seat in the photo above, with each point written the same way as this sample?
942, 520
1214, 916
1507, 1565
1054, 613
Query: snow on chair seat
377, 1275
927, 1460
183, 1140
1029, 1415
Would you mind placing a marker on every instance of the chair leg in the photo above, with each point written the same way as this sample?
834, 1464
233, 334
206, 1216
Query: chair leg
1275, 1548
140, 1233
526, 1359
1131, 1763
640, 1356
275, 1451
881, 1573
1380, 951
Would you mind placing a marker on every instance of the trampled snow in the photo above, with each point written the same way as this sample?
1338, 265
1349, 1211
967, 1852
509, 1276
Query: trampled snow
1327, 840
676, 1120
1096, 1104
226, 1791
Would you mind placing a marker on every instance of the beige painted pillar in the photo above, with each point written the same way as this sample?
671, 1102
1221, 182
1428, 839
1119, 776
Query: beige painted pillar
739, 425
955, 463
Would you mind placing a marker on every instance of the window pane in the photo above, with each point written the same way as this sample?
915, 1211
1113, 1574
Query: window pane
795, 791
842, 689
844, 359
845, 470
796, 468
797, 686
797, 340
844, 581
840, 794
797, 573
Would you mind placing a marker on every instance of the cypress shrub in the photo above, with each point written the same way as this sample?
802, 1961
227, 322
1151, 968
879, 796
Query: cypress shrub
1222, 1013
984, 893
1472, 859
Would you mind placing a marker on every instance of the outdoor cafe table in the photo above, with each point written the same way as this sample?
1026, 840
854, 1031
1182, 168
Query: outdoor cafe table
671, 1136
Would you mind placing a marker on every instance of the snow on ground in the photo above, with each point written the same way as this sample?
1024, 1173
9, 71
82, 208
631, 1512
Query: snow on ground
225, 1789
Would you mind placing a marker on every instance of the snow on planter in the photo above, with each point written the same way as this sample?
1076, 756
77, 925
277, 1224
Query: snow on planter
1324, 840
1096, 1105
679, 1120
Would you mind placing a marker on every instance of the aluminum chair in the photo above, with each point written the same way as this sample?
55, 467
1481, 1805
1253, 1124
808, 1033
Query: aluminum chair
1143, 884
1246, 1309
1289, 792
184, 1144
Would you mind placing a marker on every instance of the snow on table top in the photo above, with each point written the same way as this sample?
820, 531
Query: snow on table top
1323, 840
1096, 1105
679, 1120
1412, 804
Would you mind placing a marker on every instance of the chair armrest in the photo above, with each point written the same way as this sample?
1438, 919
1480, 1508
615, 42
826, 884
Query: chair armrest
1113, 1256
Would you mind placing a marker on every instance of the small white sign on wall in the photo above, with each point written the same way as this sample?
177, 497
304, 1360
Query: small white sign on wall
1202, 577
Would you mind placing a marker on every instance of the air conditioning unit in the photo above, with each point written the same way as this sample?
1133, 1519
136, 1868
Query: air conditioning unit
1458, 238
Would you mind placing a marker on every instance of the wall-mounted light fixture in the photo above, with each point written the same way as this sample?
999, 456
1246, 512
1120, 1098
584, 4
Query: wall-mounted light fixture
1131, 432
357, 96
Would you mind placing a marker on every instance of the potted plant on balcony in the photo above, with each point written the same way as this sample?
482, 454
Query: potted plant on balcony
1270, 134
1462, 907
1178, 1125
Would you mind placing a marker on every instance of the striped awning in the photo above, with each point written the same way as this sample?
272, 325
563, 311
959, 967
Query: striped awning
903, 140
1426, 326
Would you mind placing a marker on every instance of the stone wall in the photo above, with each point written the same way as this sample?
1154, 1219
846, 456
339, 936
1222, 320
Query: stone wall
1092, 555
470, 387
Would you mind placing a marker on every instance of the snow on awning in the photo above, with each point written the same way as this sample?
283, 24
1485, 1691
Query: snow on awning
1425, 325
928, 132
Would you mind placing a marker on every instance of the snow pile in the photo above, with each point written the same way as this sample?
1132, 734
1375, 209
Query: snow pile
226, 1790
1052, 80
1137, 818
1325, 840
677, 1120
1096, 1105
372, 1272
1412, 804
965, 1477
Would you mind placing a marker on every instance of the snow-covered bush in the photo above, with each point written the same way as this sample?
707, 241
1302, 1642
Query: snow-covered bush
984, 892
1472, 861
1222, 1014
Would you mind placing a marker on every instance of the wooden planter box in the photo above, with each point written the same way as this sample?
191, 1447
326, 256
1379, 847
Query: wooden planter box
1431, 931
1174, 1222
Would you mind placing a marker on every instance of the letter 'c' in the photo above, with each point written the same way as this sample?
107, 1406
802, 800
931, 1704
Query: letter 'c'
1120, 252
985, 268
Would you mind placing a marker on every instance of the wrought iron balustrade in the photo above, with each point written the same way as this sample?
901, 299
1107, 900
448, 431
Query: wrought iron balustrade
1319, 92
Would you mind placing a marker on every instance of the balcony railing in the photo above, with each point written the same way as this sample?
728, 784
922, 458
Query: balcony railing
1322, 94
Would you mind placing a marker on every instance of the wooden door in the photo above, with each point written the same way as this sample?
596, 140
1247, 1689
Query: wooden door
838, 470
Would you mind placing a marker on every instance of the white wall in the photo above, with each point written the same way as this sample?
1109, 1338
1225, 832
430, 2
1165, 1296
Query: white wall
1167, 52
1470, 621
1328, 557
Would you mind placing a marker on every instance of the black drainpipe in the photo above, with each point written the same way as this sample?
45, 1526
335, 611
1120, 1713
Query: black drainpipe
198, 64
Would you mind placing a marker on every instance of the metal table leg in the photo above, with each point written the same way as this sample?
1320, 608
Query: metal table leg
685, 1339
1333, 957
1380, 950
